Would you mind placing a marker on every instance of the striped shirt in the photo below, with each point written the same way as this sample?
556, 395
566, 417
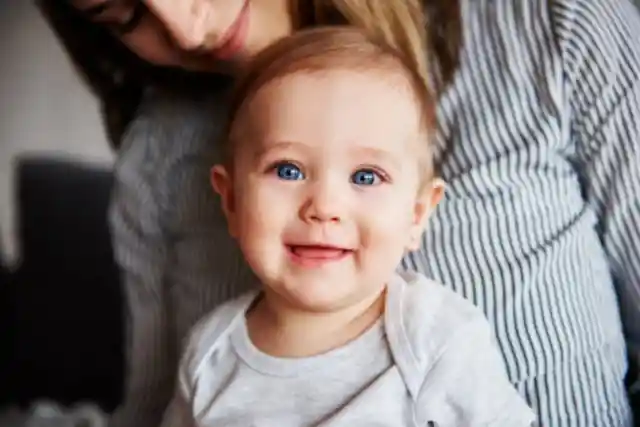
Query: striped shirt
539, 145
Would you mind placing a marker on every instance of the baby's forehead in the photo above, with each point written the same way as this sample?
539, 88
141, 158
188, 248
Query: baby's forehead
378, 84
368, 108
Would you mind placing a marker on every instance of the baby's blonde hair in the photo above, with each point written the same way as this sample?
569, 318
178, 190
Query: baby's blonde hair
323, 49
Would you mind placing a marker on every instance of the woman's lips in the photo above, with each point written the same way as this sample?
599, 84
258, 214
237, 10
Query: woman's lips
317, 255
235, 37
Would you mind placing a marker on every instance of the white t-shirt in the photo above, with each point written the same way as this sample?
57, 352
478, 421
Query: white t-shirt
429, 361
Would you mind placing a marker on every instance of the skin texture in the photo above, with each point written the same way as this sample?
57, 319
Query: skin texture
331, 200
189, 33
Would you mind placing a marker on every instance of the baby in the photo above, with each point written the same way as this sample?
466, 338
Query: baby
328, 182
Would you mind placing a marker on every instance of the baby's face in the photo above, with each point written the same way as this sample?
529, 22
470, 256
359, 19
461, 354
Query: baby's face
325, 196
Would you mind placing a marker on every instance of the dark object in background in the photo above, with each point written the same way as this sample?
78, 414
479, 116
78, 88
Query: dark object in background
65, 316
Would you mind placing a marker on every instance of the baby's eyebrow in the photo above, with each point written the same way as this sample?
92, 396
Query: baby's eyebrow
267, 147
377, 154
356, 153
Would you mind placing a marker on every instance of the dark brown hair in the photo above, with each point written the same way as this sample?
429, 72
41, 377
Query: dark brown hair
119, 78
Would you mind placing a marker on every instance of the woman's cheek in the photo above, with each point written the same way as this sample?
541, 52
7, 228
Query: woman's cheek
149, 46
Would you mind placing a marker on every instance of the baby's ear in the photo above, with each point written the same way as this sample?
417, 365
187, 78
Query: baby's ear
428, 199
223, 185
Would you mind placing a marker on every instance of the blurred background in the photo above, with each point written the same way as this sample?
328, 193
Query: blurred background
61, 327
44, 108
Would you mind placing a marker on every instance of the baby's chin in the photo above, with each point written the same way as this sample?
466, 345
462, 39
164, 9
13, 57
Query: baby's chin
317, 295
318, 301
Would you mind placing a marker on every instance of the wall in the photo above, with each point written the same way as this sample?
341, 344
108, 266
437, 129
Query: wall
43, 105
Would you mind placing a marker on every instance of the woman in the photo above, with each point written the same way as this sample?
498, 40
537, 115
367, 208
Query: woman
538, 143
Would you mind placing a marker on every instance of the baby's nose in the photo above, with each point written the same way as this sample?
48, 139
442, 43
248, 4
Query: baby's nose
324, 204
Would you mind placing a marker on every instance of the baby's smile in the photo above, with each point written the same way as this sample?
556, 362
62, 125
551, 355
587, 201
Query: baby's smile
317, 255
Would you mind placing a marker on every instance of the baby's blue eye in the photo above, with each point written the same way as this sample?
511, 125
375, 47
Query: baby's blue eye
289, 172
365, 177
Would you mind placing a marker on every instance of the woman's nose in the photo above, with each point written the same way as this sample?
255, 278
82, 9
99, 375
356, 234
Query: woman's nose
185, 20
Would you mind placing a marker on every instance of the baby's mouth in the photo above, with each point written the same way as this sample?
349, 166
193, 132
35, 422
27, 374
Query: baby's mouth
318, 253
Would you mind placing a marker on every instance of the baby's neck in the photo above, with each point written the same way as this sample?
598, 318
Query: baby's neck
284, 331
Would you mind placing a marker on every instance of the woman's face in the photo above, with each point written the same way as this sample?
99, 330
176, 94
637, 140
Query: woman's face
199, 35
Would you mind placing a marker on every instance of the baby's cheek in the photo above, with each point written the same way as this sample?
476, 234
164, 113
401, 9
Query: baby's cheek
388, 231
261, 240
386, 208
385, 234
264, 212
